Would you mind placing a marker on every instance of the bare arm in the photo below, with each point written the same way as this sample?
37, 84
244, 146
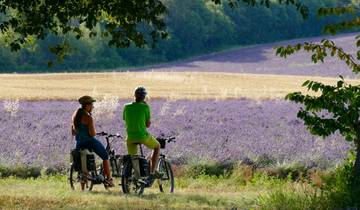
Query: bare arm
147, 117
73, 132
91, 126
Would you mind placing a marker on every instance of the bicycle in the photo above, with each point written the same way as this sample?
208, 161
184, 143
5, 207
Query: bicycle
136, 171
83, 165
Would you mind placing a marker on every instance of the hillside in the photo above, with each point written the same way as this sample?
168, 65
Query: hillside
261, 59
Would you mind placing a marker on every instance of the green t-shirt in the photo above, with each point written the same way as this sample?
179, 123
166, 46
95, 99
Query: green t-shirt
135, 115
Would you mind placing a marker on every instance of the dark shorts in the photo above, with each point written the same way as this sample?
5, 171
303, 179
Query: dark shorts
95, 145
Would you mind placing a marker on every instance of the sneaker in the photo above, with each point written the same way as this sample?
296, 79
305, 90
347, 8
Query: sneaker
143, 181
109, 182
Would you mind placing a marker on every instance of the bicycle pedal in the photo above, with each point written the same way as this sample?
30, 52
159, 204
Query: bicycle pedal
142, 182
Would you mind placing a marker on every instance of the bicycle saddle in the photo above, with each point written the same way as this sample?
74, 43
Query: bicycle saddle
90, 150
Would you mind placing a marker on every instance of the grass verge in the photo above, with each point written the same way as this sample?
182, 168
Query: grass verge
53, 192
201, 186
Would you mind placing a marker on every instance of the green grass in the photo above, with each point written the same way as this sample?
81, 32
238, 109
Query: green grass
53, 192
200, 187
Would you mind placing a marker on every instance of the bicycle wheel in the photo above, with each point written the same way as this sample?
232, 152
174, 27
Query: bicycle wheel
129, 183
75, 179
166, 182
116, 166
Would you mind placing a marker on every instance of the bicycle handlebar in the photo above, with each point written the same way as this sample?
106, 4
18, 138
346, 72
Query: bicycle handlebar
168, 140
109, 135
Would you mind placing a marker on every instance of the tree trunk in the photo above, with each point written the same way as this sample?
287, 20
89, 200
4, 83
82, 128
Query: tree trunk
357, 163
356, 169
356, 176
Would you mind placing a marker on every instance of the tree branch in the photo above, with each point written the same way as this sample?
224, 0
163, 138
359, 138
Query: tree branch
320, 51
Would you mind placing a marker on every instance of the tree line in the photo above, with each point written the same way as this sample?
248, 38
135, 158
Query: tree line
195, 27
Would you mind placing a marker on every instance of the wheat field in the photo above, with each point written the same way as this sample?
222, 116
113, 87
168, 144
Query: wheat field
170, 85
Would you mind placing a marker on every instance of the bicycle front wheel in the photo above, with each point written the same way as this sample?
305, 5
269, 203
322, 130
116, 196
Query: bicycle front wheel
166, 182
72, 177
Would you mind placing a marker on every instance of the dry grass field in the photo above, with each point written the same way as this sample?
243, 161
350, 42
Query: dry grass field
171, 85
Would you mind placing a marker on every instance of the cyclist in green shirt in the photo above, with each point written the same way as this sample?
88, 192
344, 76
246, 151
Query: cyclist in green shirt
137, 118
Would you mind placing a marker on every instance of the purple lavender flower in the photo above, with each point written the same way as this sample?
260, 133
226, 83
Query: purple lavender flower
229, 130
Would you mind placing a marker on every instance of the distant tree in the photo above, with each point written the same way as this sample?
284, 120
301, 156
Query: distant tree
334, 107
123, 21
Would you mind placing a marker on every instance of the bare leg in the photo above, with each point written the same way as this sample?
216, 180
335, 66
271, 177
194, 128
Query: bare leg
106, 166
108, 178
154, 158
84, 183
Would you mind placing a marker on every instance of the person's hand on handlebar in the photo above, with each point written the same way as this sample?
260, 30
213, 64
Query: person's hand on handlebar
109, 135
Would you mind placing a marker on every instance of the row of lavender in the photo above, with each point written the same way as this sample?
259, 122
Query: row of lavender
38, 133
262, 59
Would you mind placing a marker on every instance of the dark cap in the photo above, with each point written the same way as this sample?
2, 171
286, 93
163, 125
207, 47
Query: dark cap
140, 92
86, 100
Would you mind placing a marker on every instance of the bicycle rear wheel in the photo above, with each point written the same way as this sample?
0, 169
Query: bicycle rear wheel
129, 183
166, 182
75, 179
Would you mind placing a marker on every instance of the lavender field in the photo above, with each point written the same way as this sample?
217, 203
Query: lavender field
261, 59
266, 131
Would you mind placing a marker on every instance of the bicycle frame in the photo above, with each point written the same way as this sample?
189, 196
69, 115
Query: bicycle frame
131, 175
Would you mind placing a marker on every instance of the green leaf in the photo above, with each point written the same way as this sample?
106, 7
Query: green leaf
49, 63
15, 46
340, 84
306, 83
278, 50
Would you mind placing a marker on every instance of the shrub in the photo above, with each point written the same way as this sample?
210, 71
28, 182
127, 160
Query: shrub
338, 187
55, 170
332, 190
20, 171
294, 172
242, 174
209, 169
291, 199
